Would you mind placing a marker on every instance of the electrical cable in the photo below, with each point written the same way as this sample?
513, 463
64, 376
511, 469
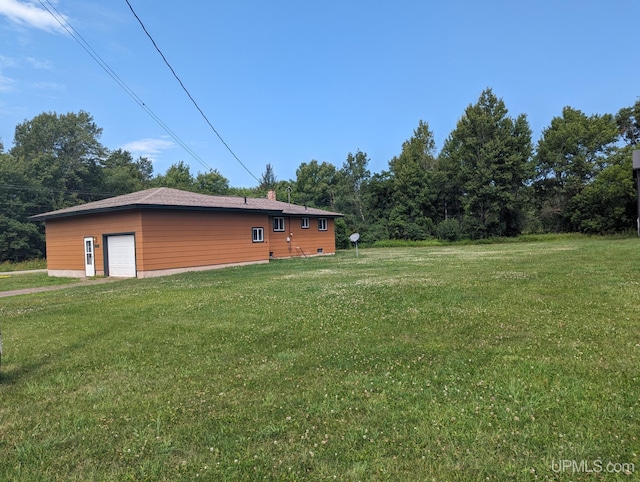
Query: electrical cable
187, 91
94, 55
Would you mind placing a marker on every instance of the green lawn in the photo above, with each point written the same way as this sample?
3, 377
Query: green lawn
24, 265
473, 363
10, 282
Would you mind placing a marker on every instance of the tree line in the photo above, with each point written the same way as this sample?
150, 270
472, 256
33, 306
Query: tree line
488, 180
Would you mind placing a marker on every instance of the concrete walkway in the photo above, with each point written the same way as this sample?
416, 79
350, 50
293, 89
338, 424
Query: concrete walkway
29, 271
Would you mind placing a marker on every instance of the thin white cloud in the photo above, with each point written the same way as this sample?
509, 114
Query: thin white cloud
7, 61
39, 64
50, 86
30, 15
148, 147
6, 84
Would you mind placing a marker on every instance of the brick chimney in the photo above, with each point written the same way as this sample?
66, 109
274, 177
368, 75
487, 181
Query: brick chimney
271, 195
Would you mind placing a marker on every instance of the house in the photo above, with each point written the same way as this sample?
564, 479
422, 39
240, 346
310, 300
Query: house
164, 231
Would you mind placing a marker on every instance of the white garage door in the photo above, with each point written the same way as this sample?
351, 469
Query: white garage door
122, 256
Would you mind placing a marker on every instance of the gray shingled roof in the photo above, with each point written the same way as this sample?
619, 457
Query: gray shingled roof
167, 198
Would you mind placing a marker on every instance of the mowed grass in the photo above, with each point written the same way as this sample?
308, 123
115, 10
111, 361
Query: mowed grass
10, 282
447, 363
23, 265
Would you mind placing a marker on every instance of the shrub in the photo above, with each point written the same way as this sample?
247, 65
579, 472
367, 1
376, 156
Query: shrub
342, 237
449, 230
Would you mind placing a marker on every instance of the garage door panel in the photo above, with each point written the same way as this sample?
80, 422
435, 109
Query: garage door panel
122, 256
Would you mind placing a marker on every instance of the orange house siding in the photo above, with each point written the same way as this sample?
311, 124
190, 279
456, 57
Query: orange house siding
168, 241
65, 239
182, 239
301, 241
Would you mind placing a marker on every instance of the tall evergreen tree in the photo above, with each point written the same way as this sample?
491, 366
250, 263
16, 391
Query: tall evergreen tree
268, 180
413, 192
351, 181
377, 203
487, 159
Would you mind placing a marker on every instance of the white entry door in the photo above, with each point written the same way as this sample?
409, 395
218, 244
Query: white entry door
121, 252
89, 258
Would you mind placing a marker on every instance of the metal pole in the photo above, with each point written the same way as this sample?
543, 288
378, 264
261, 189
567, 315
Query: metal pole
636, 171
638, 218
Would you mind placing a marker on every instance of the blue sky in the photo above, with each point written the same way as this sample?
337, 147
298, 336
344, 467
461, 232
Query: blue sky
286, 82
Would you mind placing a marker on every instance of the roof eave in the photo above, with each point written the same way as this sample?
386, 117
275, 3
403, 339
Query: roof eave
131, 207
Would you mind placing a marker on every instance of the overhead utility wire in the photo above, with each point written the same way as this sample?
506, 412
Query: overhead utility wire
187, 92
94, 55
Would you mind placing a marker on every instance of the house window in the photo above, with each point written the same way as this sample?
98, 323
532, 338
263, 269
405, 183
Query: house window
322, 224
320, 251
304, 223
257, 235
278, 224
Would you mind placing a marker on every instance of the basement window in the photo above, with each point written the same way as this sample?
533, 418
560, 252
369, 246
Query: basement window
322, 224
257, 235
304, 223
278, 224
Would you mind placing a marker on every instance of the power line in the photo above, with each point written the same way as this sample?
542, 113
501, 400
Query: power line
94, 55
187, 92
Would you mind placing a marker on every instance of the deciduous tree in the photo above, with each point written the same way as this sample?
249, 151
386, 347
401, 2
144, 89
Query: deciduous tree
121, 174
212, 182
62, 153
628, 122
178, 176
315, 184
569, 155
20, 238
608, 204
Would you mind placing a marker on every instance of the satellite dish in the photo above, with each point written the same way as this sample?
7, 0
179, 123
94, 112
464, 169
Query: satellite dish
354, 239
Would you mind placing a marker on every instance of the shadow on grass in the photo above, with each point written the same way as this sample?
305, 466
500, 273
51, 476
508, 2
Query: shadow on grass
13, 375
10, 375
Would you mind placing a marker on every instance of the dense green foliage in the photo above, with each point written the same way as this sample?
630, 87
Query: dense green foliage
486, 181
58, 161
573, 150
447, 363
487, 157
411, 214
